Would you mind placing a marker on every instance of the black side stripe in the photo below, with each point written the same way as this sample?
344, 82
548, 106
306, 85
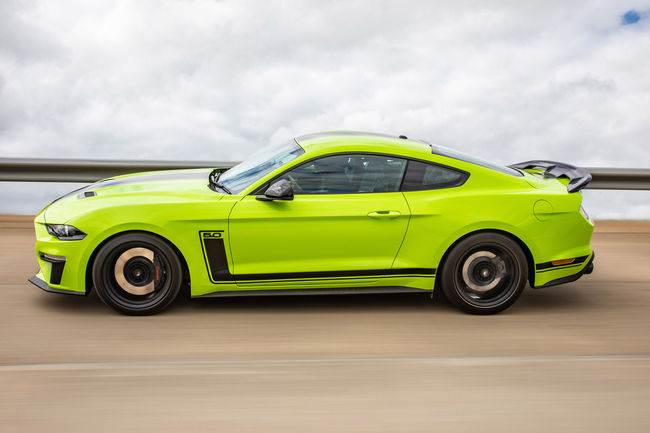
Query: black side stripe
334, 274
313, 280
548, 265
217, 262
557, 268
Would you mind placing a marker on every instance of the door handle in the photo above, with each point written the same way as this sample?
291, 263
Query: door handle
384, 214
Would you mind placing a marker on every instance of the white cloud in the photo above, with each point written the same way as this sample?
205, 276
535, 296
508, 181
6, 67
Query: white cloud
508, 81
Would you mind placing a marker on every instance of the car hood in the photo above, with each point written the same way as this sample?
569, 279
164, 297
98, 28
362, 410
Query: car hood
170, 186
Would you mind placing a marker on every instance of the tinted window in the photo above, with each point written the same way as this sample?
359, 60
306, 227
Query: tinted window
422, 176
347, 174
450, 153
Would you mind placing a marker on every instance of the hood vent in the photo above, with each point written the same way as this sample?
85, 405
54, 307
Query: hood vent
86, 194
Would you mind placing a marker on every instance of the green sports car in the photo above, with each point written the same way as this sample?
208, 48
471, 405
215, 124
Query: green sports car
336, 212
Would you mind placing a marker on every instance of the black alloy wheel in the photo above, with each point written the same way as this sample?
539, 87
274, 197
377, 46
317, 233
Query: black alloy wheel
484, 273
137, 273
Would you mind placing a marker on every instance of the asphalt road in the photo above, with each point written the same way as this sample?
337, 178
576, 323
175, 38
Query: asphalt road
568, 358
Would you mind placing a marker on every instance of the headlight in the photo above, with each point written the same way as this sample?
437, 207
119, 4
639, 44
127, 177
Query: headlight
65, 232
584, 213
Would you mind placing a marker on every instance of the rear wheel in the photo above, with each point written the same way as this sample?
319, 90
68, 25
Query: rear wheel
137, 274
484, 273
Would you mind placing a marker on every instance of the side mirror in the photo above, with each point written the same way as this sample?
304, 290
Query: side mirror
280, 190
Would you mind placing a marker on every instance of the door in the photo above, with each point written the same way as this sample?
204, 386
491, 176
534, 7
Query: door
347, 219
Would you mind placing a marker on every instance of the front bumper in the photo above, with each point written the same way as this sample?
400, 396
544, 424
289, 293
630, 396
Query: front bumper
62, 263
35, 280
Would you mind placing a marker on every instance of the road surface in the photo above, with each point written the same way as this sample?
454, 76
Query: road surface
567, 358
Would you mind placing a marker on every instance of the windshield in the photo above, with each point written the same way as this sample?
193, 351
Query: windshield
450, 153
260, 164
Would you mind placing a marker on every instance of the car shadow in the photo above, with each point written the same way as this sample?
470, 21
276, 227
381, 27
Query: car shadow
71, 304
314, 303
568, 297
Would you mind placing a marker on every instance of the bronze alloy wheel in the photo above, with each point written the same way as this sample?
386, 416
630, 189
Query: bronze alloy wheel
137, 273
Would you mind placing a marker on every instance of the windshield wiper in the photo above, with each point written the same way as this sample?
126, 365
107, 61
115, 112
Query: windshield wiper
214, 181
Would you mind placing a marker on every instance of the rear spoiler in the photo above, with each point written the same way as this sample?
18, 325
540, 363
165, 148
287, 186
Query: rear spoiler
578, 177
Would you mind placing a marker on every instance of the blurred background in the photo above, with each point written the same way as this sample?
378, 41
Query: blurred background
208, 80
211, 80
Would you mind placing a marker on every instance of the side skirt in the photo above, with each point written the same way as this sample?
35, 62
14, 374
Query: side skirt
334, 291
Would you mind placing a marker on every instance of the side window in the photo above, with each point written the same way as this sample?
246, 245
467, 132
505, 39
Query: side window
422, 176
347, 174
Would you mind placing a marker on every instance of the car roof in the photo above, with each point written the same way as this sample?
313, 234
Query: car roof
357, 140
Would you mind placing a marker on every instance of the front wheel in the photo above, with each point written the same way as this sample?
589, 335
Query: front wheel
484, 273
137, 274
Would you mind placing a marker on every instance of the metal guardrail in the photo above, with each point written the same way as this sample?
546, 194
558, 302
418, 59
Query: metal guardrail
619, 178
91, 170
87, 170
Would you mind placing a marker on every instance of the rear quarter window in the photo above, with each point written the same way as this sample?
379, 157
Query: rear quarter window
421, 176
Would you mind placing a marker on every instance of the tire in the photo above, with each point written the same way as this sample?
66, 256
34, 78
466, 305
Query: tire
137, 274
484, 273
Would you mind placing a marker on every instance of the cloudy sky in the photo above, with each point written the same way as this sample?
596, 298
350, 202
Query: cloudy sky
509, 81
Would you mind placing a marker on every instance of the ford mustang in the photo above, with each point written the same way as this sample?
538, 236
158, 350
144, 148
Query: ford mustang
336, 212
